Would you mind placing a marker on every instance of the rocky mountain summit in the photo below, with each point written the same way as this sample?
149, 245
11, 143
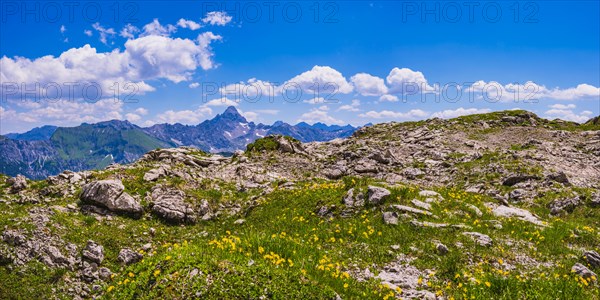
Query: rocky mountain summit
501, 205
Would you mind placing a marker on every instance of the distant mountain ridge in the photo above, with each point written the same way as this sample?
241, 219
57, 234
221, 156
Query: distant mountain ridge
49, 150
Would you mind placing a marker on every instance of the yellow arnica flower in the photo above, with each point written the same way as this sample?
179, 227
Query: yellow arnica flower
488, 284
110, 288
156, 273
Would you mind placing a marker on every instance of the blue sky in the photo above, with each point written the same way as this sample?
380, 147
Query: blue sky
387, 60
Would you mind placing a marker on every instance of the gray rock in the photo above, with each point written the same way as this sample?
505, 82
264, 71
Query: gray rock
592, 258
563, 205
480, 238
351, 200
412, 173
409, 209
514, 212
239, 222
326, 211
516, 195
104, 273
441, 249
169, 204
56, 257
512, 180
582, 271
128, 256
13, 237
390, 217
17, 183
93, 252
110, 194
376, 195
421, 204
155, 174
559, 177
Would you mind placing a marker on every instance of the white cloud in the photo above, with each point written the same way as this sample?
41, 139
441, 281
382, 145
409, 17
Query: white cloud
193, 85
390, 98
569, 115
250, 90
183, 23
141, 111
129, 31
268, 111
88, 32
406, 80
562, 106
61, 113
387, 114
63, 29
494, 91
316, 100
319, 115
453, 113
369, 85
221, 102
183, 116
155, 28
105, 33
219, 18
350, 107
323, 80
145, 58
131, 117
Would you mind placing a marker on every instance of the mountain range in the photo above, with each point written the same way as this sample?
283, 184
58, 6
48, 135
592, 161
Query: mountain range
49, 150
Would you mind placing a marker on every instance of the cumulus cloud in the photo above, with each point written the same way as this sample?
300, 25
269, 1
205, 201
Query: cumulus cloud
63, 29
389, 98
315, 100
221, 102
350, 107
530, 91
183, 23
129, 31
193, 85
453, 113
251, 90
369, 85
145, 58
565, 112
63, 113
406, 80
219, 18
387, 114
319, 115
321, 80
190, 117
155, 28
88, 32
105, 33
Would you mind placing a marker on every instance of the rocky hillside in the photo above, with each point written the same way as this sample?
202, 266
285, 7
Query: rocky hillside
496, 206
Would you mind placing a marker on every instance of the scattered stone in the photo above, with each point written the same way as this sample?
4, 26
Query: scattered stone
376, 195
480, 238
350, 200
110, 194
104, 273
239, 222
13, 237
565, 205
128, 256
169, 204
441, 249
17, 183
93, 252
413, 173
326, 211
592, 258
155, 174
583, 271
512, 180
409, 209
559, 177
516, 195
474, 209
421, 204
390, 217
514, 212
